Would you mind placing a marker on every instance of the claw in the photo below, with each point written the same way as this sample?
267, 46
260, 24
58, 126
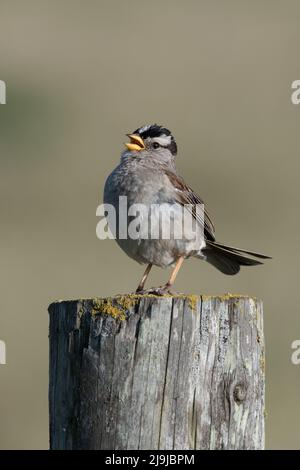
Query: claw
159, 291
153, 290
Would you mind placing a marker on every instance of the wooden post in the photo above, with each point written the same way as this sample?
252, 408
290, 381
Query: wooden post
146, 372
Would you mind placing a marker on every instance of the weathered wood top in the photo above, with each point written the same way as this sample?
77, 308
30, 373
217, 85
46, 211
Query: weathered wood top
148, 372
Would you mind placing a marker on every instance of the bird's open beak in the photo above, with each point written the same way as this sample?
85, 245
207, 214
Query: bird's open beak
136, 142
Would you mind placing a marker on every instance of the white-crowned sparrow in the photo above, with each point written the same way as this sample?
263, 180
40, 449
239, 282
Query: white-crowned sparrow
147, 175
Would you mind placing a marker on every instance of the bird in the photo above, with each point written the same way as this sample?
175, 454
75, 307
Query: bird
147, 175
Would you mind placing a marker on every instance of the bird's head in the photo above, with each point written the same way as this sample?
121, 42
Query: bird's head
152, 141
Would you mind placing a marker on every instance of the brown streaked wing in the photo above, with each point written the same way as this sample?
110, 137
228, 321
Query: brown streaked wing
185, 195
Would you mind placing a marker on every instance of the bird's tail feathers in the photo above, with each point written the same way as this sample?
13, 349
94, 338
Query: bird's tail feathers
228, 259
240, 250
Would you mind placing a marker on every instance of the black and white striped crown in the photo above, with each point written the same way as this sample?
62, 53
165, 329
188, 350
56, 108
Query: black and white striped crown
155, 131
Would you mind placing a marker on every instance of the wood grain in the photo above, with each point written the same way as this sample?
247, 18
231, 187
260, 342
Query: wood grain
146, 372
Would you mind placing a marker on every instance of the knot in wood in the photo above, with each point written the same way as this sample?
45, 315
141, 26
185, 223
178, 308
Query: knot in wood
239, 393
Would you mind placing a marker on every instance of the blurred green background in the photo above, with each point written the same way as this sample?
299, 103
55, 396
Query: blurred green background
79, 75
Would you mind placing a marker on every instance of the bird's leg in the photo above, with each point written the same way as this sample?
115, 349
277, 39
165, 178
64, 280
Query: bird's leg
144, 278
174, 273
166, 288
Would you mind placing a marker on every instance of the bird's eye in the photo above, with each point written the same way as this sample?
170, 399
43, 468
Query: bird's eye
156, 145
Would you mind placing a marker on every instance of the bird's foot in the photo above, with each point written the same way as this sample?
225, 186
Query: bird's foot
159, 291
151, 291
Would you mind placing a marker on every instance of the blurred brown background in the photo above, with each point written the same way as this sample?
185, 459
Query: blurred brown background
79, 75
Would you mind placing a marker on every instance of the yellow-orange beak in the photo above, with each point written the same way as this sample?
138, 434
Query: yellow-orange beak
136, 142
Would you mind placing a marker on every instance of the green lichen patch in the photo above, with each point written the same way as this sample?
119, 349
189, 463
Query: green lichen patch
108, 307
118, 306
191, 298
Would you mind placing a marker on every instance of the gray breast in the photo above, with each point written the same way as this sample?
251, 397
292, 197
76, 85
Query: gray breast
147, 186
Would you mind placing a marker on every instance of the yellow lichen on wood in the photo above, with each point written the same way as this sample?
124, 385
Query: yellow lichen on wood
262, 362
107, 307
116, 307
191, 298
